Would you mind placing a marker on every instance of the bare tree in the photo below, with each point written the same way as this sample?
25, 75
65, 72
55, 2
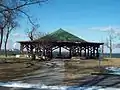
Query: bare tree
8, 30
33, 34
109, 41
10, 20
3, 24
16, 8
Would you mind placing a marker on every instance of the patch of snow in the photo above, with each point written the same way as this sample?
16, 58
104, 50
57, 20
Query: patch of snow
113, 70
42, 86
17, 56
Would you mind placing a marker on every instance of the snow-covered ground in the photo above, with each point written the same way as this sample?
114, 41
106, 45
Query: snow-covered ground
42, 86
113, 70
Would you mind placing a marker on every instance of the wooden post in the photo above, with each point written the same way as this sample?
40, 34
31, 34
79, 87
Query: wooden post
36, 49
94, 51
28, 50
43, 51
31, 52
102, 51
60, 51
70, 53
73, 51
85, 51
51, 55
21, 48
48, 52
97, 52
80, 51
31, 49
88, 51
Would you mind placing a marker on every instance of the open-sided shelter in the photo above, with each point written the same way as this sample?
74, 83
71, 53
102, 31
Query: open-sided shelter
76, 46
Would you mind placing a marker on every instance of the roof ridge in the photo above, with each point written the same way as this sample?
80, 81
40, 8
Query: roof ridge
62, 35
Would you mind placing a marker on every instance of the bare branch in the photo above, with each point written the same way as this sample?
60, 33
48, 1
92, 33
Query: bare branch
27, 17
27, 3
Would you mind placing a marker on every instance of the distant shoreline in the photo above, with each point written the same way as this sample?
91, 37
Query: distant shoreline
114, 55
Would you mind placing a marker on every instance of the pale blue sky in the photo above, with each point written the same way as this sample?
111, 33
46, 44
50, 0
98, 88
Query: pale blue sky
84, 18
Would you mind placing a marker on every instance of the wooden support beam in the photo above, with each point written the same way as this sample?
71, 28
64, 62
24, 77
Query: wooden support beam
85, 51
94, 51
80, 51
31, 49
91, 52
28, 49
21, 48
73, 51
97, 53
72, 47
43, 51
70, 52
40, 51
55, 48
48, 53
65, 47
51, 54
60, 51
102, 51
88, 51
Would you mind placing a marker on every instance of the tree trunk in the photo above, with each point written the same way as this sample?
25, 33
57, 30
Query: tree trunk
1, 39
5, 49
6, 40
110, 52
102, 51
110, 47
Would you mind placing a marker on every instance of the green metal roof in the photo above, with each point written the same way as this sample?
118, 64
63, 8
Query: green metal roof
61, 35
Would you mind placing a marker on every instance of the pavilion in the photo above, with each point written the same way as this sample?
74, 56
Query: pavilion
76, 46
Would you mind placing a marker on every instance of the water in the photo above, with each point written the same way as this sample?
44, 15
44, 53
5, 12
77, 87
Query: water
114, 55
